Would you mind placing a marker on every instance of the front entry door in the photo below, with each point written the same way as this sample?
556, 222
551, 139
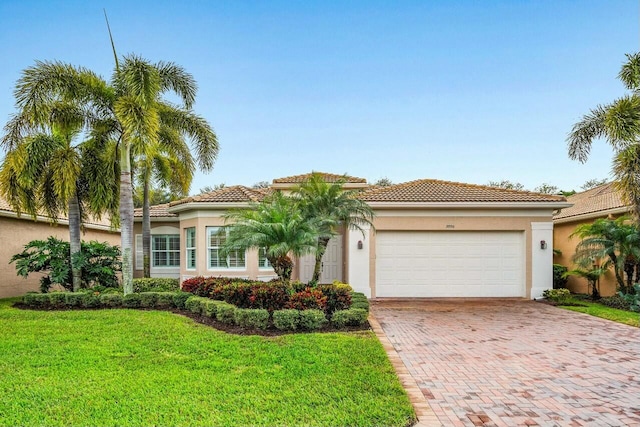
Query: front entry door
331, 263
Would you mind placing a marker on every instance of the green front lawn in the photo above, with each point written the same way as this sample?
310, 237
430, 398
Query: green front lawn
129, 367
599, 310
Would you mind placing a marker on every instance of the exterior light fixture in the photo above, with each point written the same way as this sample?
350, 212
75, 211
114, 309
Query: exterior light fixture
359, 244
543, 244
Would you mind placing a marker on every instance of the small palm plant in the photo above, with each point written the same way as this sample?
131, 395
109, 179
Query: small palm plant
592, 277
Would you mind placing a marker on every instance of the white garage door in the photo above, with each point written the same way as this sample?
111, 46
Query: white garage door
450, 264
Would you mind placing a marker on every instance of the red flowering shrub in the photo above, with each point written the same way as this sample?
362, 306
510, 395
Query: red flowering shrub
270, 296
236, 293
197, 285
307, 299
338, 296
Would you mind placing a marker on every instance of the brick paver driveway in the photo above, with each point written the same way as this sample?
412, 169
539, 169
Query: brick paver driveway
515, 362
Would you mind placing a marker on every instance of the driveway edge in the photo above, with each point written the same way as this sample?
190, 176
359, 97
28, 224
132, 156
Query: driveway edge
424, 413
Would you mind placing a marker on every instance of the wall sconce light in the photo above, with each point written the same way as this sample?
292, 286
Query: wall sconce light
543, 244
359, 244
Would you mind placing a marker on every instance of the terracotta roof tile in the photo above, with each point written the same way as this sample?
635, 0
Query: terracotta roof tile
327, 177
155, 211
6, 207
434, 191
236, 193
599, 199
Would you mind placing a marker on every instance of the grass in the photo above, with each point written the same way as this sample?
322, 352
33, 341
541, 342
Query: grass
599, 310
127, 367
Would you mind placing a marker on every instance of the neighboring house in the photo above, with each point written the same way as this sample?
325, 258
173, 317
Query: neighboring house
603, 201
432, 239
15, 232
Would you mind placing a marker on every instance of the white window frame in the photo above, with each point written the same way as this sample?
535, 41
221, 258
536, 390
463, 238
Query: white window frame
214, 231
263, 262
168, 250
190, 251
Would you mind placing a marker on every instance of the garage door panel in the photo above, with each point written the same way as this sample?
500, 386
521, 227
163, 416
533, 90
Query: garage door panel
450, 264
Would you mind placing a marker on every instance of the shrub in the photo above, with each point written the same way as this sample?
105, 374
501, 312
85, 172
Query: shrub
286, 320
90, 300
351, 317
131, 301
309, 299
269, 296
615, 301
36, 300
559, 276
236, 293
56, 299
195, 304
156, 284
197, 286
359, 300
633, 298
312, 319
209, 308
73, 299
252, 318
148, 299
179, 299
338, 296
165, 299
559, 296
296, 285
111, 300
226, 313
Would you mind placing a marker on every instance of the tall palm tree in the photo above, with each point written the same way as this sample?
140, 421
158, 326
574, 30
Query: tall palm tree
618, 123
47, 171
275, 224
616, 242
331, 207
128, 110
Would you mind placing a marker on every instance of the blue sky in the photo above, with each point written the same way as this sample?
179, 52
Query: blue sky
464, 91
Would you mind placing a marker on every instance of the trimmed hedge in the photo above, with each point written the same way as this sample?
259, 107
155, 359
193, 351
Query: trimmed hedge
351, 317
226, 313
148, 299
57, 300
195, 304
111, 300
252, 318
359, 300
312, 320
156, 284
73, 299
180, 298
286, 320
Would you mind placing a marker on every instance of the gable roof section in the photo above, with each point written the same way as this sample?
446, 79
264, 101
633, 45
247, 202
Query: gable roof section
435, 191
598, 201
233, 194
327, 177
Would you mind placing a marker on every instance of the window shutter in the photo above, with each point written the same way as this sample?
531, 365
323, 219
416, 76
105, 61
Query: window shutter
139, 253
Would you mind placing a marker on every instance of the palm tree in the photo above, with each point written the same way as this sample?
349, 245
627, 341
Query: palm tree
332, 208
275, 224
46, 171
128, 110
616, 242
592, 277
618, 123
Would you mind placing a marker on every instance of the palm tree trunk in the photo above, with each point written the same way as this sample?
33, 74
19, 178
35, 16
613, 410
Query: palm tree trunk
146, 229
126, 218
74, 240
323, 242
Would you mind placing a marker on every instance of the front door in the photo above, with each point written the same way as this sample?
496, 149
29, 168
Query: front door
331, 263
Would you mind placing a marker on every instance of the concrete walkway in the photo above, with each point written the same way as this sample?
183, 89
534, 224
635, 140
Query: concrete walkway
513, 362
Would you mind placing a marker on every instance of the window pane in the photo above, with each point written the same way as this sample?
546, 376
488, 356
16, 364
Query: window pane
174, 243
159, 243
191, 258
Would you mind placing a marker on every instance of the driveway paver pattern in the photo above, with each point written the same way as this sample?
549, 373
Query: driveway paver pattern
512, 362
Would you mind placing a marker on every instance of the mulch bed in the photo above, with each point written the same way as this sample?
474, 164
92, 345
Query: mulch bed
230, 329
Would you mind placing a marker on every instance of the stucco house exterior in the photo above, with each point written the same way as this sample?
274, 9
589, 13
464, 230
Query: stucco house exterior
431, 239
604, 201
16, 231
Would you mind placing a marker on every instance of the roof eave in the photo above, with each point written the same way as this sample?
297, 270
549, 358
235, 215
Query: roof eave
46, 219
593, 215
467, 205
206, 205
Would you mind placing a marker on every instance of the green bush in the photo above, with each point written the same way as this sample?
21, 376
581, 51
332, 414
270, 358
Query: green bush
195, 304
111, 300
180, 298
210, 307
90, 300
165, 299
252, 318
57, 300
633, 298
73, 299
226, 313
148, 299
615, 301
359, 300
131, 301
311, 320
286, 320
559, 296
156, 284
35, 300
338, 296
351, 317
560, 278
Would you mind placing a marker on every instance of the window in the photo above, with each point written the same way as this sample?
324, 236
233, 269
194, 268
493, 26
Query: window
263, 262
215, 240
165, 250
190, 239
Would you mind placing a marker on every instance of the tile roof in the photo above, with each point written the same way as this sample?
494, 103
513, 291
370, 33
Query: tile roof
6, 207
434, 191
155, 211
327, 177
599, 199
235, 193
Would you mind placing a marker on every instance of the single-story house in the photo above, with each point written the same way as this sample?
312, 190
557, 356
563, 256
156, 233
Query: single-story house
604, 201
432, 239
16, 231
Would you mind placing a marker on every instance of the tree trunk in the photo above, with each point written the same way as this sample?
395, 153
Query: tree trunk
74, 240
283, 266
146, 229
323, 242
126, 218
